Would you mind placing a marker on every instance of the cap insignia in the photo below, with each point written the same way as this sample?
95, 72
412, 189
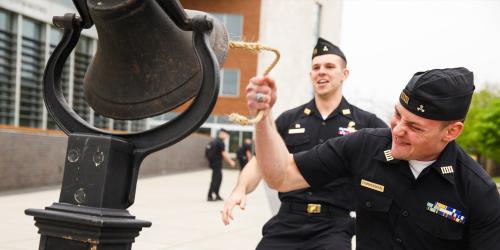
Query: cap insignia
307, 111
388, 155
325, 48
421, 108
447, 169
405, 98
315, 51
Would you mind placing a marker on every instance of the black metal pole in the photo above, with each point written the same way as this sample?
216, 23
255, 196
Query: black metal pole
91, 210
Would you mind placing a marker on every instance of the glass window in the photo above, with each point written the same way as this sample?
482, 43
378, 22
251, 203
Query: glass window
204, 131
83, 56
230, 82
138, 125
233, 23
120, 125
7, 68
234, 141
31, 103
101, 121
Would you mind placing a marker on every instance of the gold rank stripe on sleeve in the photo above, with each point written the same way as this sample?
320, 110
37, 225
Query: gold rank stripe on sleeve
372, 185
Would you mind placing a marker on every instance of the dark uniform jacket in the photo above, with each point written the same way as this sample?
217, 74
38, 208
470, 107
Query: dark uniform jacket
453, 204
303, 127
216, 161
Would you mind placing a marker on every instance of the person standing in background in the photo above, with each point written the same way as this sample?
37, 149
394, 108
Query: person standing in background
215, 152
244, 153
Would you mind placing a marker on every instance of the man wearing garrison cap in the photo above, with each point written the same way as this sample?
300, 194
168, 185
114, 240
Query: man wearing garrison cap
312, 218
415, 186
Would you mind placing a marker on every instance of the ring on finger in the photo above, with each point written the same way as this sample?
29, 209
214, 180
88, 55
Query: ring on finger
259, 97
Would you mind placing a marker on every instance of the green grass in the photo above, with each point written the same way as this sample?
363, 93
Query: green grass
497, 179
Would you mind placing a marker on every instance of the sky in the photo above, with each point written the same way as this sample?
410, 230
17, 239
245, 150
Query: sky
387, 41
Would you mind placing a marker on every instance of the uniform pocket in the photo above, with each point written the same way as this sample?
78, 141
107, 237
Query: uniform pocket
296, 140
374, 201
439, 226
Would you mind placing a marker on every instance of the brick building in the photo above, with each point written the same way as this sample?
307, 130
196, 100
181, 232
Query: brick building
27, 37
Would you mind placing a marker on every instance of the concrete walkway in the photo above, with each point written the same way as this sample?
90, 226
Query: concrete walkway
175, 204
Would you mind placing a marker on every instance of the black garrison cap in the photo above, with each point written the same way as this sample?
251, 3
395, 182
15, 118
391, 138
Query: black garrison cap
223, 130
324, 47
439, 94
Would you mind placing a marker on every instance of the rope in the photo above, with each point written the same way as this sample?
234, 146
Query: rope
255, 48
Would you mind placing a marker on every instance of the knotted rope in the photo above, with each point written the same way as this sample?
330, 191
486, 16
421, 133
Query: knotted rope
255, 48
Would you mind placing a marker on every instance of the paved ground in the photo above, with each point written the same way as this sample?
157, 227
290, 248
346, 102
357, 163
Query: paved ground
175, 204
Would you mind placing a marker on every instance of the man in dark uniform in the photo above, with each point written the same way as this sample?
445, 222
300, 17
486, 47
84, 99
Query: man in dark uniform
244, 153
300, 224
416, 188
215, 163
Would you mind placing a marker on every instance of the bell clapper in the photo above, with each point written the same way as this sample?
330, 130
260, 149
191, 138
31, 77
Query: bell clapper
252, 47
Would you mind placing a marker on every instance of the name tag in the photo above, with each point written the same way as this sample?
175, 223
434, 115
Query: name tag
372, 185
296, 131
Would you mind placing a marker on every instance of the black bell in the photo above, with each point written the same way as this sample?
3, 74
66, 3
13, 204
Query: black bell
145, 64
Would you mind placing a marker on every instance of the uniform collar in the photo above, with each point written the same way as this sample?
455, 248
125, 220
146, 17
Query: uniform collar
384, 154
343, 109
445, 165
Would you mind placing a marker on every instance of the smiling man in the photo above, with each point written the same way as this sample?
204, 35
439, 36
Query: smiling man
416, 188
312, 218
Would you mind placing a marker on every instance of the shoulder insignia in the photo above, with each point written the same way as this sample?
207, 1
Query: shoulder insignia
388, 155
447, 170
307, 111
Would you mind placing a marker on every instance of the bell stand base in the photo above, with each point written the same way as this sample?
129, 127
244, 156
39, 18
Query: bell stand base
91, 213
67, 226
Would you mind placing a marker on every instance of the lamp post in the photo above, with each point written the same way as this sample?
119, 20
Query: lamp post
101, 168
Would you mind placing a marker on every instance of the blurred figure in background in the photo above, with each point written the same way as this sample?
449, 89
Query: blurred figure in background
215, 152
